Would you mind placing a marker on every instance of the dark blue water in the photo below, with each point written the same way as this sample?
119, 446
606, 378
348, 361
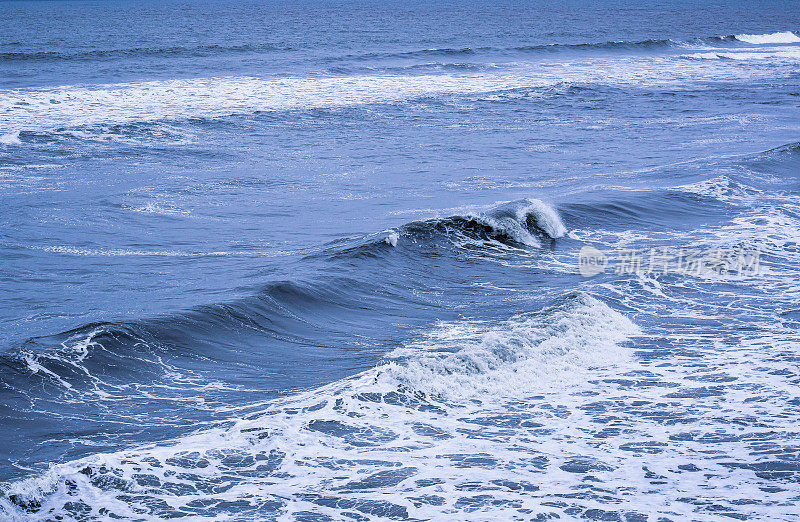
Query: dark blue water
321, 261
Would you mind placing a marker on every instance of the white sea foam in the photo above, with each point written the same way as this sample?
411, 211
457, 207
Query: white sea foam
784, 37
10, 138
80, 107
788, 55
219, 97
114, 252
721, 188
160, 209
125, 252
372, 443
554, 347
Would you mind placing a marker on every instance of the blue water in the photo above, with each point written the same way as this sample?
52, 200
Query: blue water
320, 261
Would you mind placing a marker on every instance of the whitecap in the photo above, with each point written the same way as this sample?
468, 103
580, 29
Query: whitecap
418, 407
784, 37
544, 216
517, 218
530, 352
391, 237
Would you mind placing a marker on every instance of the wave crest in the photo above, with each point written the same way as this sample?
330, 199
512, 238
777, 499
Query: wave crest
464, 360
522, 222
784, 37
283, 458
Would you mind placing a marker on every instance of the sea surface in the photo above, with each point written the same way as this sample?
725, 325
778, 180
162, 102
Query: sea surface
401, 260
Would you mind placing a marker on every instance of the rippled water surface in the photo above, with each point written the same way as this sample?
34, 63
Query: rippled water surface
267, 260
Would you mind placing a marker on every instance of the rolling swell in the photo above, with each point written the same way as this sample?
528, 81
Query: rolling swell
155, 378
289, 311
283, 310
636, 209
110, 354
778, 167
709, 191
138, 52
650, 44
175, 371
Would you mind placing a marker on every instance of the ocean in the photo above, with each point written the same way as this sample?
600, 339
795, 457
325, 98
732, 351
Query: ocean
399, 260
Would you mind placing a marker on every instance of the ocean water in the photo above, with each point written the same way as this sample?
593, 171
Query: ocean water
398, 260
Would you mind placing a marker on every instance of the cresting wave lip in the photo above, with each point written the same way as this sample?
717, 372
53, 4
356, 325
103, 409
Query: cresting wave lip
522, 222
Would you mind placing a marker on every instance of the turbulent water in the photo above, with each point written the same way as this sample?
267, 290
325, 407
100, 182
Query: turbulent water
399, 260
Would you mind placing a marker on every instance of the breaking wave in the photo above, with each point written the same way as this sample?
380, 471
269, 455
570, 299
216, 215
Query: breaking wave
84, 363
522, 222
72, 109
287, 458
785, 37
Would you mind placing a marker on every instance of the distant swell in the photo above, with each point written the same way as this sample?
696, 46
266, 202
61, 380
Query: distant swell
612, 45
541, 48
789, 148
137, 52
784, 37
